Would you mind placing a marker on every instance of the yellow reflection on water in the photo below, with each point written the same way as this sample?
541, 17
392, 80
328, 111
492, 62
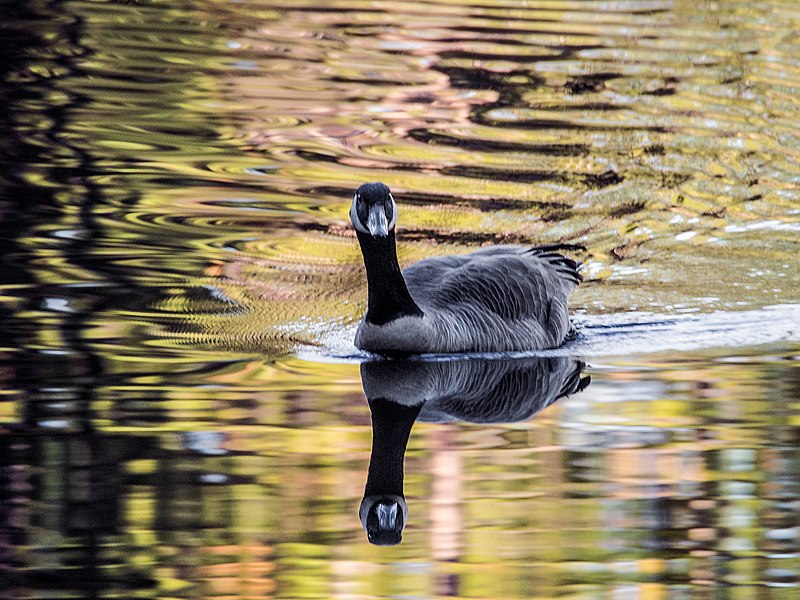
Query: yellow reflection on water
179, 182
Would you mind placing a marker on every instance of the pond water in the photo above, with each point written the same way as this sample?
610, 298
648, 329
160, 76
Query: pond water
183, 413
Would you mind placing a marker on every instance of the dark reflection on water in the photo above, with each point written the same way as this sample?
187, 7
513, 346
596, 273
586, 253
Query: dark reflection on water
62, 501
476, 390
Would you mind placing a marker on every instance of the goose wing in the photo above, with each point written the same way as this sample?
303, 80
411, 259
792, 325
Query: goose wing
512, 281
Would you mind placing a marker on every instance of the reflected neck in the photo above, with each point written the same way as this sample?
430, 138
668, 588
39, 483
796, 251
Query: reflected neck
389, 297
391, 426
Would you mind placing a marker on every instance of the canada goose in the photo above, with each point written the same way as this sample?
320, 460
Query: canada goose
499, 298
400, 392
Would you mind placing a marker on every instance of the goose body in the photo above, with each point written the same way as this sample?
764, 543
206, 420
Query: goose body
496, 299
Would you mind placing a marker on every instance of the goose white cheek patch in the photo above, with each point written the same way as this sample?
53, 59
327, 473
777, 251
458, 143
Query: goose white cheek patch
393, 222
354, 216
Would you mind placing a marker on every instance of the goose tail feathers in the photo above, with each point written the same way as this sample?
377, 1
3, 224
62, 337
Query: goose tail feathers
565, 267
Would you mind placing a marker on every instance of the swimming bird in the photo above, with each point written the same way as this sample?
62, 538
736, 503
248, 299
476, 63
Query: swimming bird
496, 299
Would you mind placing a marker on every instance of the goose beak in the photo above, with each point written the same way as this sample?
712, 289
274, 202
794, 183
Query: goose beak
376, 222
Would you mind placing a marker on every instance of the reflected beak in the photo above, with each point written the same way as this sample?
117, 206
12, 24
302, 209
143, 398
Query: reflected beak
387, 515
376, 222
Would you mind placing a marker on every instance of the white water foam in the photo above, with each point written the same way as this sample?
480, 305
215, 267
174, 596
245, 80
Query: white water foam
619, 335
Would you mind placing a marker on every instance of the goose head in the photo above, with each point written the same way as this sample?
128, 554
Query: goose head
373, 211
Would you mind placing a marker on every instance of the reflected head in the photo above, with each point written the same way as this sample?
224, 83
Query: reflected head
383, 519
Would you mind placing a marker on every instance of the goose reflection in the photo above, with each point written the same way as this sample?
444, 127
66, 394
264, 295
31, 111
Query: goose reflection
476, 391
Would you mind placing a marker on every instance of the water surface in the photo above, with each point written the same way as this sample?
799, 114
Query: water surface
182, 412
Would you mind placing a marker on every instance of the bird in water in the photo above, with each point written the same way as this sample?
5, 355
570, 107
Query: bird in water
496, 299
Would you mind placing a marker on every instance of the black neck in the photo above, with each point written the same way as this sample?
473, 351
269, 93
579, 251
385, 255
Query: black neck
391, 426
389, 298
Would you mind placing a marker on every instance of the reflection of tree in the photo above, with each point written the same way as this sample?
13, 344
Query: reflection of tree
705, 487
61, 495
25, 204
447, 498
51, 220
64, 484
75, 508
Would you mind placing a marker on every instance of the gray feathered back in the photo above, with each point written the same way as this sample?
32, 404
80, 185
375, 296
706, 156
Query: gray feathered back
499, 278
509, 297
